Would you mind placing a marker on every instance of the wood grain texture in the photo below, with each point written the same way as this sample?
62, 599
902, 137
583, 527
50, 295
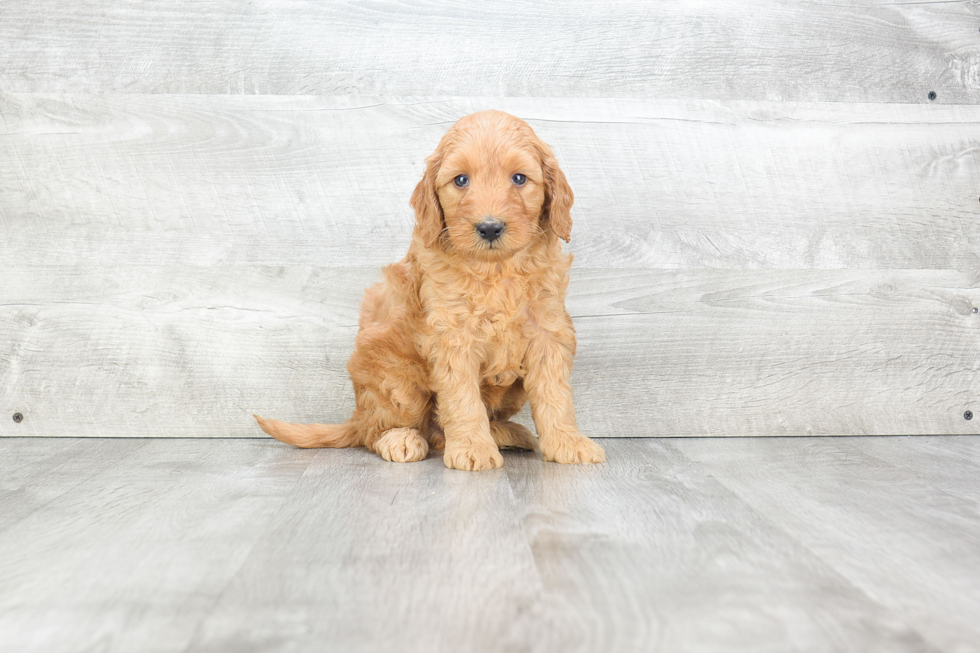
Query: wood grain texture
926, 461
135, 555
853, 50
966, 448
179, 351
34, 472
651, 553
813, 352
768, 544
898, 536
172, 263
154, 180
370, 557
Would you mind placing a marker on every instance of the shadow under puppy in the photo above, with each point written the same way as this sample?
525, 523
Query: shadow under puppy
472, 322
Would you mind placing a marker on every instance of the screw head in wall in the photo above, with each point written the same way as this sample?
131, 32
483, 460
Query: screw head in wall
932, 95
18, 418
968, 415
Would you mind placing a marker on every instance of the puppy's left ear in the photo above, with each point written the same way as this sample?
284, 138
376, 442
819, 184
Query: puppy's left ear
557, 210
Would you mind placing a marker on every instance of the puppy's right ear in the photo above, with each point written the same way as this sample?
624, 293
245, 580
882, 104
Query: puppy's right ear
429, 221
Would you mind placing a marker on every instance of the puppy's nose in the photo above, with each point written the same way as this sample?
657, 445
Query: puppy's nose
490, 229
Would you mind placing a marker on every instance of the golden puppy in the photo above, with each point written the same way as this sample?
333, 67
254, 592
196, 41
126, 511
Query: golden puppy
472, 322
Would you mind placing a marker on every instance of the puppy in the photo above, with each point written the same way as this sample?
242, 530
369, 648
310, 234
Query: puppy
472, 322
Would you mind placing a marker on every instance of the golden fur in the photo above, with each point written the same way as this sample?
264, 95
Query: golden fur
461, 331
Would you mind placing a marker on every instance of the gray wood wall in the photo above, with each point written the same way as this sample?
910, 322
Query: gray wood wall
777, 232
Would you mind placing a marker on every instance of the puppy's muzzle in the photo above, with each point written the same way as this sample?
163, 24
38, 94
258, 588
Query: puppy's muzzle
490, 229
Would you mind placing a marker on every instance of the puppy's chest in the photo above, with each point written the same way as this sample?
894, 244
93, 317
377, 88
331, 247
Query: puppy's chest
502, 328
497, 311
496, 319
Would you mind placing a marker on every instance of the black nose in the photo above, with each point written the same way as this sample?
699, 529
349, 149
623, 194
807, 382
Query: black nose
490, 230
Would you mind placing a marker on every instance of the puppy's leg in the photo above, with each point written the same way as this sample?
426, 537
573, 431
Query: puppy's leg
462, 413
507, 435
401, 445
393, 402
549, 363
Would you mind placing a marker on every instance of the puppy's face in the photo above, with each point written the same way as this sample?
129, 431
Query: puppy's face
491, 188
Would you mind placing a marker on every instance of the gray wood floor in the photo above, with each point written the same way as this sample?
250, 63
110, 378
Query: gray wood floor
729, 544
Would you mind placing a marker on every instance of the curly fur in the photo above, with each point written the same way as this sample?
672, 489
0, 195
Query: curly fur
462, 332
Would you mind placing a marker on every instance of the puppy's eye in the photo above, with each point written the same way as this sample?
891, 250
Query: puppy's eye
461, 181
519, 179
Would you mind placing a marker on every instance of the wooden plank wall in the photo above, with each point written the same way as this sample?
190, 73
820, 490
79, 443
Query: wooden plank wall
777, 231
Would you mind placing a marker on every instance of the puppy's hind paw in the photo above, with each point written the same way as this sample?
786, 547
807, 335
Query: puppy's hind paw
402, 445
511, 435
437, 439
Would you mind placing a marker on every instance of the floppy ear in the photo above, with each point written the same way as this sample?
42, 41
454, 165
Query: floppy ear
558, 195
429, 220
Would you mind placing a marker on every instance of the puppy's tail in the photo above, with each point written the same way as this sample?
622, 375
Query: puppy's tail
309, 436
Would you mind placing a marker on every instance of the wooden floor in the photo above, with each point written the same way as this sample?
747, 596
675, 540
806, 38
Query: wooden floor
775, 544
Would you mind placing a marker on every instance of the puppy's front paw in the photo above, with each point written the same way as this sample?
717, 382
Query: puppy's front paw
473, 457
572, 450
402, 445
